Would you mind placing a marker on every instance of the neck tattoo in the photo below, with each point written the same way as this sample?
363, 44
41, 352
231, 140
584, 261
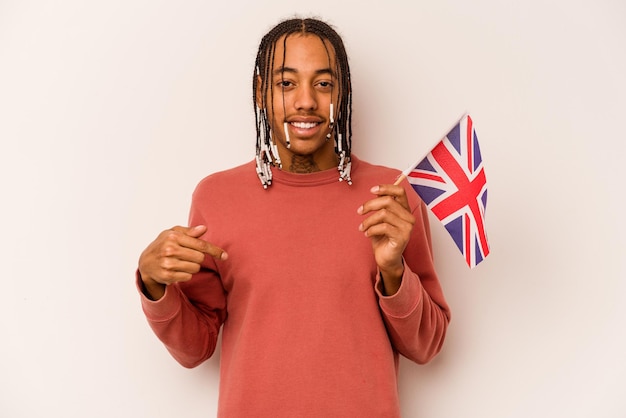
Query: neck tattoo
303, 164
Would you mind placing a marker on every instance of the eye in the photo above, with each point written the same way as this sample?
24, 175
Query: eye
284, 84
325, 85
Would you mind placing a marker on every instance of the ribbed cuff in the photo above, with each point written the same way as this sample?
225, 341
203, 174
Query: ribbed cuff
158, 310
405, 300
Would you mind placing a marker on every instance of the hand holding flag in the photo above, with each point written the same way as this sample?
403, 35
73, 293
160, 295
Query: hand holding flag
451, 181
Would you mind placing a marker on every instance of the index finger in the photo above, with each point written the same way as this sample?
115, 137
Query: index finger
203, 246
393, 190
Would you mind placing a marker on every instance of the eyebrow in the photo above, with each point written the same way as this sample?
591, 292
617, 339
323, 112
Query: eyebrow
282, 70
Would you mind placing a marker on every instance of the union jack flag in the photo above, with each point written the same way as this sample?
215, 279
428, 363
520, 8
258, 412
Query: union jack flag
451, 181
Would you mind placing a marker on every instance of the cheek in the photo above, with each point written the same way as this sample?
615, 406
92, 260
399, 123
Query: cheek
276, 117
280, 102
336, 101
277, 114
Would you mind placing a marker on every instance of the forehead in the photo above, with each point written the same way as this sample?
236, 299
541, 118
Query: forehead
302, 51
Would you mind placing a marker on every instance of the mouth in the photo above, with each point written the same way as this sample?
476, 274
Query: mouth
304, 125
305, 129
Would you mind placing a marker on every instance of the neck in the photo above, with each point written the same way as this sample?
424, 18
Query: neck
309, 163
303, 164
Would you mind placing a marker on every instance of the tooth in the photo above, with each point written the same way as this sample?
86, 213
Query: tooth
304, 125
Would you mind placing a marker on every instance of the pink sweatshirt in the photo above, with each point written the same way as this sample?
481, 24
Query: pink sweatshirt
306, 329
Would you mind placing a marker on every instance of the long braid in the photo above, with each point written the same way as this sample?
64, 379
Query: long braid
266, 151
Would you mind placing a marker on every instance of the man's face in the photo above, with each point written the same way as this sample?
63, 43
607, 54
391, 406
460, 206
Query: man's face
303, 86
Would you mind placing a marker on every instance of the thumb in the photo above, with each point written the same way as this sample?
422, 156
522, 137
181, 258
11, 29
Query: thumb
192, 231
195, 231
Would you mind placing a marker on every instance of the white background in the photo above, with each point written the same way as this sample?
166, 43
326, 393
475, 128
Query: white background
111, 112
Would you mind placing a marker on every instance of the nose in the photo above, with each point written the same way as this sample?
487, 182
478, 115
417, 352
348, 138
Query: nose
305, 98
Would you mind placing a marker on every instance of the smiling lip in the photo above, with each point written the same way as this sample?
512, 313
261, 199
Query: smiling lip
305, 128
304, 125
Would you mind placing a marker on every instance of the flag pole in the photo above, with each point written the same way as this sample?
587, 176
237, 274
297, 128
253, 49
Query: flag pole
408, 170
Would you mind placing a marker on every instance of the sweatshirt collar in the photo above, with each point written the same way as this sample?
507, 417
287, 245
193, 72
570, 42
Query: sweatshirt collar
311, 179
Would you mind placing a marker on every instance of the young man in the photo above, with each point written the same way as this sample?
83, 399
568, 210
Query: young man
318, 272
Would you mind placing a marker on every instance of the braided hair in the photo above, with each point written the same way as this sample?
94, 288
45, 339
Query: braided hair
266, 150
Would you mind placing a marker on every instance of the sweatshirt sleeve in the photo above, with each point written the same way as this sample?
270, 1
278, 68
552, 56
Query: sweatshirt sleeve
188, 317
417, 315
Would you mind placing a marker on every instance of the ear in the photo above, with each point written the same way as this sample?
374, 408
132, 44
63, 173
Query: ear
259, 97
